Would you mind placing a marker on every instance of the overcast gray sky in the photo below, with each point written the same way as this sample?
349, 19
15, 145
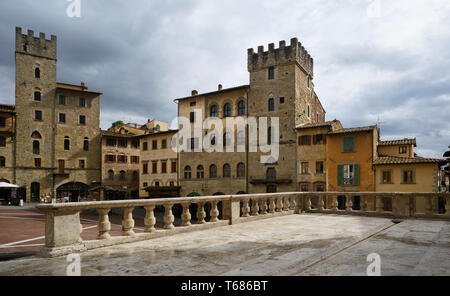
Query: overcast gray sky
373, 58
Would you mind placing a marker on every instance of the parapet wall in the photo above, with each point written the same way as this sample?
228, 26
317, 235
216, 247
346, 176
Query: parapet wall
295, 52
38, 46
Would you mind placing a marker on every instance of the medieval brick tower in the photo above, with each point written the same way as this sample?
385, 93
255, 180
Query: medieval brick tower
281, 87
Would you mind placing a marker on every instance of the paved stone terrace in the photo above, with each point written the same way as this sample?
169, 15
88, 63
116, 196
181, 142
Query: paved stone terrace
315, 244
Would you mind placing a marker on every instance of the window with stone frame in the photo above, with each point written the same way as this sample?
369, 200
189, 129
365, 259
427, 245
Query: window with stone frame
240, 170
134, 159
145, 146
37, 96
37, 162
271, 73
304, 168
111, 142
122, 143
66, 143
62, 100
241, 108
187, 172
214, 111
319, 167
164, 144
212, 171
62, 118
145, 168
386, 177
86, 144
408, 176
2, 161
82, 164
403, 150
38, 115
154, 167
271, 104
111, 175
174, 166
226, 171
227, 110
82, 102
304, 187
304, 140
2, 141
154, 145
82, 120
2, 121
164, 167
122, 159
200, 172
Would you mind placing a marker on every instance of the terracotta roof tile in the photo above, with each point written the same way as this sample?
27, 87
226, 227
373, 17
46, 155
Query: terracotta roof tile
405, 160
398, 142
353, 130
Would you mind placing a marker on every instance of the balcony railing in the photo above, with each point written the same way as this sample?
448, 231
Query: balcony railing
63, 228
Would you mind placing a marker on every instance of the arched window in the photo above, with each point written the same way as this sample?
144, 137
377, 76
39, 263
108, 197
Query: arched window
158, 127
200, 172
37, 73
122, 175
226, 171
241, 138
213, 171
271, 104
36, 135
36, 147
226, 139
86, 144
66, 143
214, 111
37, 96
241, 170
111, 175
271, 174
241, 108
187, 172
135, 175
227, 110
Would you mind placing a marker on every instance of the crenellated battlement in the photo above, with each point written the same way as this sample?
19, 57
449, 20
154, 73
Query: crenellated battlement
39, 46
295, 52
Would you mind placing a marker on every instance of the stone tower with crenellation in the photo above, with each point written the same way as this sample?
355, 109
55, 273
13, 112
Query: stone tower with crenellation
281, 86
35, 59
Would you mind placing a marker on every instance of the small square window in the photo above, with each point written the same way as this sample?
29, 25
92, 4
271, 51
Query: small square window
82, 102
192, 104
145, 184
62, 100
62, 118
38, 115
282, 100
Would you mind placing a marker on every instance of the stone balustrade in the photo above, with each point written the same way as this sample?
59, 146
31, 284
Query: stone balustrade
63, 228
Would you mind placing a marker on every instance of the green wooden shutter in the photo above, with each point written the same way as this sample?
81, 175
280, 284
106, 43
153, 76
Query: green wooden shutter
349, 144
341, 175
356, 177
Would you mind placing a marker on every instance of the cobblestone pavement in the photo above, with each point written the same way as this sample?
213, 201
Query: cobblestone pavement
288, 245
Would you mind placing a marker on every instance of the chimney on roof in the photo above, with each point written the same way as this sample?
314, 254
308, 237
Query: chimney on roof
219, 87
194, 92
83, 86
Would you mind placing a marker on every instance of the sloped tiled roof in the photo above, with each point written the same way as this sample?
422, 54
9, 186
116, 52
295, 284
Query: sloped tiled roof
405, 160
353, 130
398, 142
313, 125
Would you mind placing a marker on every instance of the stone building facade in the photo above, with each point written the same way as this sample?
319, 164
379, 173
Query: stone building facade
57, 135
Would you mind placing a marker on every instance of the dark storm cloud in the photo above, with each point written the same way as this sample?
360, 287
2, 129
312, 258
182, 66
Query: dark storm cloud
143, 54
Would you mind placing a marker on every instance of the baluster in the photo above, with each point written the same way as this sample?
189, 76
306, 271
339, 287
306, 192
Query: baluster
263, 206
255, 207
379, 204
279, 204
214, 212
104, 226
447, 206
245, 208
321, 203
349, 203
308, 203
286, 204
293, 203
149, 220
128, 222
201, 214
272, 205
298, 199
168, 217
362, 203
334, 204
186, 216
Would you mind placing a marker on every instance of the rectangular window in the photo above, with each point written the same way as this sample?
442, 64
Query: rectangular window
154, 167
82, 102
192, 116
123, 143
271, 73
319, 167
164, 167
37, 96
348, 175
62, 100
174, 166
111, 142
62, 118
123, 159
82, 119
164, 144
403, 150
192, 104
2, 162
61, 165
134, 159
305, 140
408, 176
282, 100
319, 139
38, 115
110, 158
2, 122
82, 164
145, 168
154, 144
271, 105
386, 177
348, 144
304, 168
304, 187
135, 144
37, 162
2, 141
145, 146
